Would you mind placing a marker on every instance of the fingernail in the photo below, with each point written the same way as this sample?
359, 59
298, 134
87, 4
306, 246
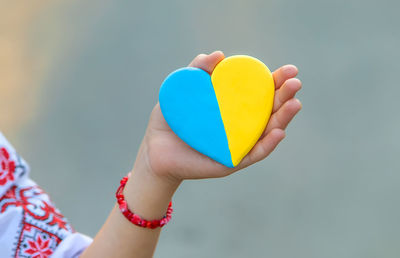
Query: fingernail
298, 101
290, 70
217, 51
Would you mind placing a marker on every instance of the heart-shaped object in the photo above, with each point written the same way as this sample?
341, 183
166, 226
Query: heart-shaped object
222, 115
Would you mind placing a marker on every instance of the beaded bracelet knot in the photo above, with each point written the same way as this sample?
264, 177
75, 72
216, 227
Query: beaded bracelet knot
134, 218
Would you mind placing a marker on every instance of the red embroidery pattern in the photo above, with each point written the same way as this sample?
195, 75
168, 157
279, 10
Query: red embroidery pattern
43, 226
7, 166
36, 242
39, 248
37, 208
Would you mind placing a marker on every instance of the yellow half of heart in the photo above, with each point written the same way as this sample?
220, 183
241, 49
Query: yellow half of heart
245, 89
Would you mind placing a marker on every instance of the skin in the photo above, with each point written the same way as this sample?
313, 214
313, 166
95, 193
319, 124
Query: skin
164, 161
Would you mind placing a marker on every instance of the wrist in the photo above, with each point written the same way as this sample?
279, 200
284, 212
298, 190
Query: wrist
160, 170
149, 195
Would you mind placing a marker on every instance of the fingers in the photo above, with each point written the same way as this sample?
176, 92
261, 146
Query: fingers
264, 147
207, 62
284, 73
287, 91
281, 118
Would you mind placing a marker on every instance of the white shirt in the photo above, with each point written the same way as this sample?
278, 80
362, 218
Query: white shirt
30, 225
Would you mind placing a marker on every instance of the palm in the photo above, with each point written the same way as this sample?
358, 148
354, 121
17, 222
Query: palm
168, 152
169, 155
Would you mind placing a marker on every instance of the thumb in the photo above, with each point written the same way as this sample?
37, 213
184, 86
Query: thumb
207, 62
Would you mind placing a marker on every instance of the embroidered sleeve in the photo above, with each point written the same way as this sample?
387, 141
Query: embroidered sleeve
30, 225
12, 168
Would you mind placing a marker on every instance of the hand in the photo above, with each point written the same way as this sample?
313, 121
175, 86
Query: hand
164, 160
165, 155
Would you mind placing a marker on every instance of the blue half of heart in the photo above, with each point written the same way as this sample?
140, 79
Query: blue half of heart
190, 107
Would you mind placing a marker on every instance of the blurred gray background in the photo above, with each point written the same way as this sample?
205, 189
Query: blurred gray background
331, 189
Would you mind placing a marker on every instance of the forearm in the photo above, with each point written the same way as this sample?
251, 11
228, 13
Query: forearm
146, 195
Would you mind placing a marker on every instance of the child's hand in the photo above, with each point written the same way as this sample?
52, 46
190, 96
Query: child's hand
164, 160
166, 156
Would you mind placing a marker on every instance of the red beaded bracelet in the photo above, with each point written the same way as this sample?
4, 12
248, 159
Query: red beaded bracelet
134, 218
